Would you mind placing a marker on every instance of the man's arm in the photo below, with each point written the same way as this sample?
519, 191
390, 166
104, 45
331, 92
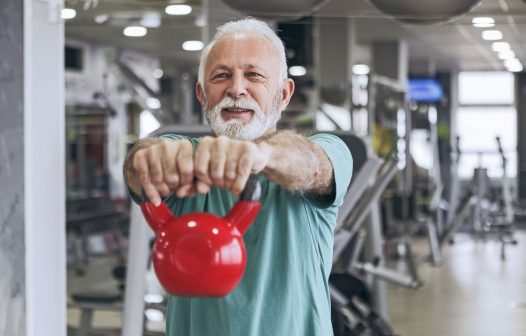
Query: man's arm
286, 158
297, 164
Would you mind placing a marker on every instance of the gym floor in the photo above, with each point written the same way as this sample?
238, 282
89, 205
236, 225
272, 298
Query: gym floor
472, 293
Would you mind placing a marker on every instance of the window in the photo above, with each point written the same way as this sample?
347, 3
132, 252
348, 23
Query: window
486, 111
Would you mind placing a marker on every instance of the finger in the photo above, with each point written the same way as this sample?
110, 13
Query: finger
230, 169
185, 163
218, 160
202, 160
244, 168
155, 165
141, 167
152, 194
187, 190
171, 177
163, 189
202, 187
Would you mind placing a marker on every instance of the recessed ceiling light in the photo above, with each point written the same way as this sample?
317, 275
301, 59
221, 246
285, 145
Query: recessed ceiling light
500, 46
193, 45
515, 68
153, 103
68, 13
154, 315
135, 31
101, 18
178, 10
510, 63
506, 54
483, 25
297, 70
492, 35
158, 73
151, 20
360, 69
483, 22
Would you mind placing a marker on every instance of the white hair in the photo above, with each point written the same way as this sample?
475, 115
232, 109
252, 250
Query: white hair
245, 26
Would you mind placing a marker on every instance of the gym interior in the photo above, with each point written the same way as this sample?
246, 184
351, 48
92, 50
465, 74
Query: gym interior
429, 96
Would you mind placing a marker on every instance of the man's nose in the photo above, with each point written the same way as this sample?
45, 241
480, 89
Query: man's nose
237, 87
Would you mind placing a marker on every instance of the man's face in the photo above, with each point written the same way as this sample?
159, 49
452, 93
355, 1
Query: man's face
243, 95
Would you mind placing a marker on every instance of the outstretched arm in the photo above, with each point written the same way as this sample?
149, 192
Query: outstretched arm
297, 164
286, 158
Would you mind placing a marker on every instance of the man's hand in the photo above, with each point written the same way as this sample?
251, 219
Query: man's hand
160, 167
227, 163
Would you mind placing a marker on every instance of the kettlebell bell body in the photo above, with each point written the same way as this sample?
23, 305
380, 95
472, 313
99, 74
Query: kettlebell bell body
201, 254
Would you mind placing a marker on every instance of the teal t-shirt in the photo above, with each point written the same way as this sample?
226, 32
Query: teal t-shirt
284, 291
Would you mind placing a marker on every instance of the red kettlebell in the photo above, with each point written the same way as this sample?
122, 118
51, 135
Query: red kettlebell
201, 254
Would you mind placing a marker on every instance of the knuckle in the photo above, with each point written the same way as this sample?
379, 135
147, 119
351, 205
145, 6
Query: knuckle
186, 171
199, 171
206, 140
143, 177
138, 158
222, 140
171, 180
216, 175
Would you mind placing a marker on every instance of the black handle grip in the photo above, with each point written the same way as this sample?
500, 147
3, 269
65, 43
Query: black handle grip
252, 190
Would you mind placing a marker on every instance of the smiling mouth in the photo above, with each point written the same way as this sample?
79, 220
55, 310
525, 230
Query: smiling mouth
236, 110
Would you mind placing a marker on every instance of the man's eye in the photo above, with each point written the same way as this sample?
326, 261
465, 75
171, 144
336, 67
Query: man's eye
220, 75
253, 74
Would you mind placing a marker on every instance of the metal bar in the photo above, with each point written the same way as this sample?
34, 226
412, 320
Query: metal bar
136, 274
362, 181
388, 275
465, 210
356, 218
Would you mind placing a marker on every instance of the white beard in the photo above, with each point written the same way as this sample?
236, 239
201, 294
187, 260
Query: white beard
236, 128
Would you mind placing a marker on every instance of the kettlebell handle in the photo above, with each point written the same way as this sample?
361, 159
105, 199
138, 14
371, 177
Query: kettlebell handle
241, 215
252, 190
246, 209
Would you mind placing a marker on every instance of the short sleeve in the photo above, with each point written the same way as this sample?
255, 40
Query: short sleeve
342, 167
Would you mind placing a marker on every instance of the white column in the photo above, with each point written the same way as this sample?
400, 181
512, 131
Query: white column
44, 172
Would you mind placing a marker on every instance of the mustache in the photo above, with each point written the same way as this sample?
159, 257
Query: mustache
243, 102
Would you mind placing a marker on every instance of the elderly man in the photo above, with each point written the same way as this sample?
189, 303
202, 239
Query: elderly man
243, 88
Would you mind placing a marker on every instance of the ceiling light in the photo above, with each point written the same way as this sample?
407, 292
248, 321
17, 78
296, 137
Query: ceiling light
153, 103
512, 63
360, 69
515, 68
506, 54
154, 315
151, 20
483, 25
500, 46
483, 22
158, 73
101, 18
297, 70
178, 10
492, 35
193, 45
135, 31
68, 13
153, 298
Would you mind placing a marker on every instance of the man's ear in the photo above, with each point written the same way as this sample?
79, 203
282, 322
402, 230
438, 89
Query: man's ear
287, 91
200, 93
